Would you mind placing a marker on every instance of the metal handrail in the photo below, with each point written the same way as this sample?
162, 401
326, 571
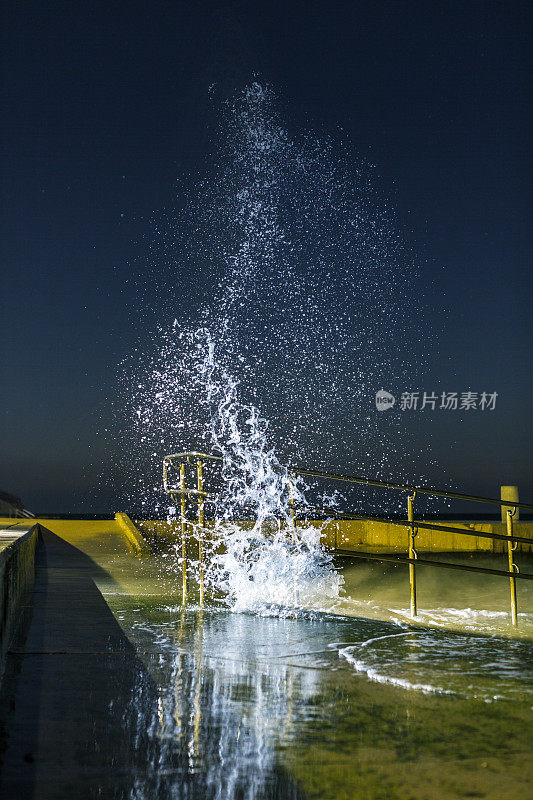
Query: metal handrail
367, 482
425, 525
429, 562
181, 491
208, 456
511, 506
408, 488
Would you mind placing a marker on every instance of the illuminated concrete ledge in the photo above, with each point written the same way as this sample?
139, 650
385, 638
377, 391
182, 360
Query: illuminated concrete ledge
119, 534
363, 533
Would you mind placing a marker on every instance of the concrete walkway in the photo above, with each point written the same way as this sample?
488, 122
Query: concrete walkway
74, 692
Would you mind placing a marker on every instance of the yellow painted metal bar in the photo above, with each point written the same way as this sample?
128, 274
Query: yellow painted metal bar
431, 563
201, 525
511, 547
438, 527
311, 473
412, 554
292, 509
292, 524
165, 474
183, 519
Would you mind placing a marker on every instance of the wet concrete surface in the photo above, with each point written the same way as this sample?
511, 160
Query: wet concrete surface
68, 685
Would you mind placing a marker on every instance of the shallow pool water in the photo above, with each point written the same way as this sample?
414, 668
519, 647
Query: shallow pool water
305, 703
454, 600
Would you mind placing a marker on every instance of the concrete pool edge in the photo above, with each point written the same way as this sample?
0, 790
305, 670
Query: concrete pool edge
378, 536
142, 536
18, 544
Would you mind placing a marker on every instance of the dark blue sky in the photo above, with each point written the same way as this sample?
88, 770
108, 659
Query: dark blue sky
105, 104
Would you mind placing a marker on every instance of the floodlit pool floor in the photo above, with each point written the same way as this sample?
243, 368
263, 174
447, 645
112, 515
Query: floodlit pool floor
113, 689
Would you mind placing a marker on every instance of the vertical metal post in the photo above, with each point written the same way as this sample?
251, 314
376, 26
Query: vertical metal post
509, 493
292, 523
291, 507
412, 553
512, 580
201, 525
183, 533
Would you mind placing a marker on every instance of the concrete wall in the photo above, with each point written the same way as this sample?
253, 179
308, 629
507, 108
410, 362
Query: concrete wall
17, 575
377, 536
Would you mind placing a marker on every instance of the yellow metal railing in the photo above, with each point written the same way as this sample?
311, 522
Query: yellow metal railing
199, 495
413, 527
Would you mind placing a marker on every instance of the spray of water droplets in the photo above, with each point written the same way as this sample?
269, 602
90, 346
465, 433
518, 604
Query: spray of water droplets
293, 313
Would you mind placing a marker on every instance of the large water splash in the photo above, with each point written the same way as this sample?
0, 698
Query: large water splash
274, 560
304, 318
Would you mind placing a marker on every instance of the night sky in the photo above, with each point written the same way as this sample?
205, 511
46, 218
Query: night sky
106, 105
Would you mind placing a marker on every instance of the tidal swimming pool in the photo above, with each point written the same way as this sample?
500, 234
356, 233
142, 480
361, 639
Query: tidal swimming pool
313, 704
115, 690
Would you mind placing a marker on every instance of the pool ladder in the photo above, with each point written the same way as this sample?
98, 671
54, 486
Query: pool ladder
180, 492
